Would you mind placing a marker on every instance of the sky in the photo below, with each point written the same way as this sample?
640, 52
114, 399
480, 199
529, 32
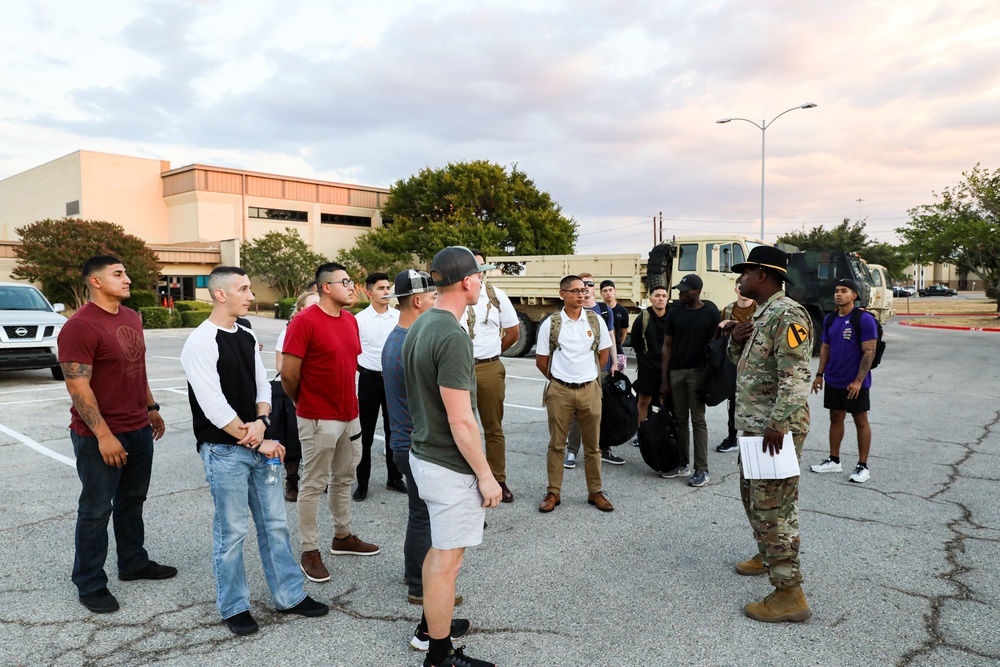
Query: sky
609, 106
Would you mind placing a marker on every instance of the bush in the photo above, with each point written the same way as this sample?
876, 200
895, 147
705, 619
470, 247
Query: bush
139, 299
358, 307
187, 306
192, 318
283, 308
156, 317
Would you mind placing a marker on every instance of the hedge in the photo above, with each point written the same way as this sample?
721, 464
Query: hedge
192, 318
283, 308
157, 317
139, 299
186, 306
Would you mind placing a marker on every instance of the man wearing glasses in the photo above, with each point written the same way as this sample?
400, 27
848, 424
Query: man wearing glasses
319, 361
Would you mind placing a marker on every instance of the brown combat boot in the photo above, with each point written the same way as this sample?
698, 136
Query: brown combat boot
784, 604
752, 567
549, 502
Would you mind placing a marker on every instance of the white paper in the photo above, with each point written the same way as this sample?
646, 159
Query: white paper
758, 464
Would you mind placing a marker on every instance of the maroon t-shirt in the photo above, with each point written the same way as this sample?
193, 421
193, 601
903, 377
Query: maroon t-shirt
114, 347
329, 348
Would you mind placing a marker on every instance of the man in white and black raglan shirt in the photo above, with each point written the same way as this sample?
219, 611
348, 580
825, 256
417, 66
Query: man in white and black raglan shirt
230, 402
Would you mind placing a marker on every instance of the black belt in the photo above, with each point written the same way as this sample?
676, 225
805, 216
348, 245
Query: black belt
487, 361
572, 385
368, 371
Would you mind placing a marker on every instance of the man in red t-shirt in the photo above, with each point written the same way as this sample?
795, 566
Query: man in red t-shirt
319, 359
114, 422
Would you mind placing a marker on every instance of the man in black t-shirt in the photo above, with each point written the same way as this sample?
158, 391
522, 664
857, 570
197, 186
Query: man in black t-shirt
620, 328
689, 327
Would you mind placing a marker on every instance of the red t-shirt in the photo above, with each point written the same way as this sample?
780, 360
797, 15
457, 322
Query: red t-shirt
329, 348
113, 345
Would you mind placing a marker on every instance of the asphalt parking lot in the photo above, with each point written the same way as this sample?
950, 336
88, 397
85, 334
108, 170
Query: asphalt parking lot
902, 570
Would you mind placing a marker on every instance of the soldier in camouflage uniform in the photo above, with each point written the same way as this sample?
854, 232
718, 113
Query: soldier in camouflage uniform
772, 353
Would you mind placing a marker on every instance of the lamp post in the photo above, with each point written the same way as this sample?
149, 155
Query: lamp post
763, 133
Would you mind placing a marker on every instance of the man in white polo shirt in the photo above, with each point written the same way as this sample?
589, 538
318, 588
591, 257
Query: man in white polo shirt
493, 326
375, 323
581, 349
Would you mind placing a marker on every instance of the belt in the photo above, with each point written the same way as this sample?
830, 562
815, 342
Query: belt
368, 371
488, 361
572, 385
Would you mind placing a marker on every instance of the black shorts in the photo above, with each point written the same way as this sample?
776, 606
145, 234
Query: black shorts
647, 382
836, 399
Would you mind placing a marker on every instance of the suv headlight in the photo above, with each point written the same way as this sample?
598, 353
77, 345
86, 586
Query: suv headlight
56, 329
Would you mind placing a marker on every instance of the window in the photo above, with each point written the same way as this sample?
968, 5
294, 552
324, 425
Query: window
201, 281
338, 219
72, 208
877, 278
278, 214
687, 260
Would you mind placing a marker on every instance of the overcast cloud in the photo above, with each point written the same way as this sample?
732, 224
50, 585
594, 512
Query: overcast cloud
608, 106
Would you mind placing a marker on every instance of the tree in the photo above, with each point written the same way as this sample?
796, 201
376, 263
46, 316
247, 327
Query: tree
962, 226
282, 260
850, 238
52, 252
476, 204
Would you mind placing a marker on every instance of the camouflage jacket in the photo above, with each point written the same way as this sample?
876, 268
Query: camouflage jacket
772, 369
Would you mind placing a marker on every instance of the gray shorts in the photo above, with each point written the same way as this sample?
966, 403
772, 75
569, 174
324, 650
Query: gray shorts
454, 504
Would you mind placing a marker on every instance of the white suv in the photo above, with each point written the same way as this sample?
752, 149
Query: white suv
29, 325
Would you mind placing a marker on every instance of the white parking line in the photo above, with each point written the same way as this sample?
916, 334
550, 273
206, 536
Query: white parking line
523, 407
519, 377
37, 447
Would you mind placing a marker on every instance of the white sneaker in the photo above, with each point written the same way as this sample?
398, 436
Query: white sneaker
827, 466
860, 474
570, 461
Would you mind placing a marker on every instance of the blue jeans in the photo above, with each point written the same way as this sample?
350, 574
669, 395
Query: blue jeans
418, 527
235, 477
110, 492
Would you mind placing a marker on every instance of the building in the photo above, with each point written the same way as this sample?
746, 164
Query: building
193, 217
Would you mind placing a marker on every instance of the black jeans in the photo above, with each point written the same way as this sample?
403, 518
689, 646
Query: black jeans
371, 399
418, 528
109, 491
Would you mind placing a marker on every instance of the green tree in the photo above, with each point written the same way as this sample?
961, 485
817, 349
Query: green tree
962, 226
850, 238
282, 260
477, 204
53, 251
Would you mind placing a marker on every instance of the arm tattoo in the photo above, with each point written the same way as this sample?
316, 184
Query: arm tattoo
90, 415
74, 370
868, 356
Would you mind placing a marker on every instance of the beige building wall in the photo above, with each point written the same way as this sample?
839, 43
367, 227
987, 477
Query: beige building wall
126, 191
39, 193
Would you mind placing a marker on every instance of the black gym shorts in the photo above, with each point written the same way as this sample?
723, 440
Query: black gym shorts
836, 399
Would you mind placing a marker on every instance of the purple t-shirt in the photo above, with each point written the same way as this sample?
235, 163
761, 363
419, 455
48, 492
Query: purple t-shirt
845, 352
400, 423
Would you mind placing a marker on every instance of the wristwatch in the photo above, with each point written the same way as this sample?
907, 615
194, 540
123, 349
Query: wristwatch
154, 406
265, 419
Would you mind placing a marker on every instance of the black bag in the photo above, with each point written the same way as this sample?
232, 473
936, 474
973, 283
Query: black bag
658, 442
284, 426
720, 378
619, 411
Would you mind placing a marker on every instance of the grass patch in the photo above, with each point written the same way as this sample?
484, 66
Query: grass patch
986, 322
942, 305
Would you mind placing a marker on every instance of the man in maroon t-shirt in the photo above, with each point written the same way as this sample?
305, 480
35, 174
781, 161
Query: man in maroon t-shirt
114, 422
319, 359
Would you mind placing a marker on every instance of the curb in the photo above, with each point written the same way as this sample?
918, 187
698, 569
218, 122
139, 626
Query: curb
948, 327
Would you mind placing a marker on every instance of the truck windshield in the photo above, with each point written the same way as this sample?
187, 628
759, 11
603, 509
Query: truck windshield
861, 270
22, 298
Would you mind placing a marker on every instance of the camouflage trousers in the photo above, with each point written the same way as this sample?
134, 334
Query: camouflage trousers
772, 507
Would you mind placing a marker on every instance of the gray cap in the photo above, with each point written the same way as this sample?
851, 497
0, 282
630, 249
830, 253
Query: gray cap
454, 263
410, 282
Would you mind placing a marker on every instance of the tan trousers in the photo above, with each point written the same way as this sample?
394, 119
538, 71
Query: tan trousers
331, 451
563, 404
491, 389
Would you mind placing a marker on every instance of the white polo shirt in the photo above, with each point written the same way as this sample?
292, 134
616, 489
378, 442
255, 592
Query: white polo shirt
574, 360
374, 329
490, 322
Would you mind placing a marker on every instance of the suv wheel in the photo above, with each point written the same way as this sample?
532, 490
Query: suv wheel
57, 373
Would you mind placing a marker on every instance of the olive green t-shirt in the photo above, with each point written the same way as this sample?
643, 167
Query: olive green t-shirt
437, 353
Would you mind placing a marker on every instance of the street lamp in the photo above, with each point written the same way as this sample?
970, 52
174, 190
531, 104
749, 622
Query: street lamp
763, 132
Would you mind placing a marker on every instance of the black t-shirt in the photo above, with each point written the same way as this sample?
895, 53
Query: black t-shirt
621, 322
649, 348
691, 331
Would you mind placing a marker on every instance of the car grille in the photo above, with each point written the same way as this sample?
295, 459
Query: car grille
7, 352
19, 332
48, 331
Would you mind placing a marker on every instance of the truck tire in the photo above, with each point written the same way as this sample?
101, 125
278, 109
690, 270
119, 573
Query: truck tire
525, 339
57, 373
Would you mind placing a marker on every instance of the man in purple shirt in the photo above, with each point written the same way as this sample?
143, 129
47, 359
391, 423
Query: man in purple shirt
845, 361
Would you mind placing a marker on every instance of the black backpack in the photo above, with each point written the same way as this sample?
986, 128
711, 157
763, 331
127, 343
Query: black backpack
658, 442
619, 411
720, 378
284, 426
856, 327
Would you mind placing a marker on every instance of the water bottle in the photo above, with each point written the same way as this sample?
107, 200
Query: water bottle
273, 471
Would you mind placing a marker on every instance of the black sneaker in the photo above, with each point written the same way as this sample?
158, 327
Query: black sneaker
308, 607
607, 456
728, 445
422, 641
456, 658
151, 570
242, 624
100, 601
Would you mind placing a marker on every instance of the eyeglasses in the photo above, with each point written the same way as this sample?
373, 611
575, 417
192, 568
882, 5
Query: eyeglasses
576, 292
346, 282
587, 283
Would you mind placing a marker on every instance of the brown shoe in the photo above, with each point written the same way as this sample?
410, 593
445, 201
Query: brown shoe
505, 495
784, 604
312, 566
352, 546
549, 502
600, 501
752, 567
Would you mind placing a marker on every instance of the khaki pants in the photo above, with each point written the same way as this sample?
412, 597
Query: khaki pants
563, 405
684, 387
331, 451
491, 388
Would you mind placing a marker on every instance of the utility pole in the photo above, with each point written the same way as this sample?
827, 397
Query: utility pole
859, 208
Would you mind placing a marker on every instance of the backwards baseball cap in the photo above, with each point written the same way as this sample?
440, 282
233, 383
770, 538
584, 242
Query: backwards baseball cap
607, 283
410, 282
689, 282
849, 284
769, 257
454, 263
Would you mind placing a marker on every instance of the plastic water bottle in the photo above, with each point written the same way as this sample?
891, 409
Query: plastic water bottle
273, 471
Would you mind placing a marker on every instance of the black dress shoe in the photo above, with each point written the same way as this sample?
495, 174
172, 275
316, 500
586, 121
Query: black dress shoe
360, 494
242, 624
308, 607
396, 485
100, 601
151, 570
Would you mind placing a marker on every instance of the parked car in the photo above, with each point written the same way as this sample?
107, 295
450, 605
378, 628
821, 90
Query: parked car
903, 292
937, 290
29, 325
